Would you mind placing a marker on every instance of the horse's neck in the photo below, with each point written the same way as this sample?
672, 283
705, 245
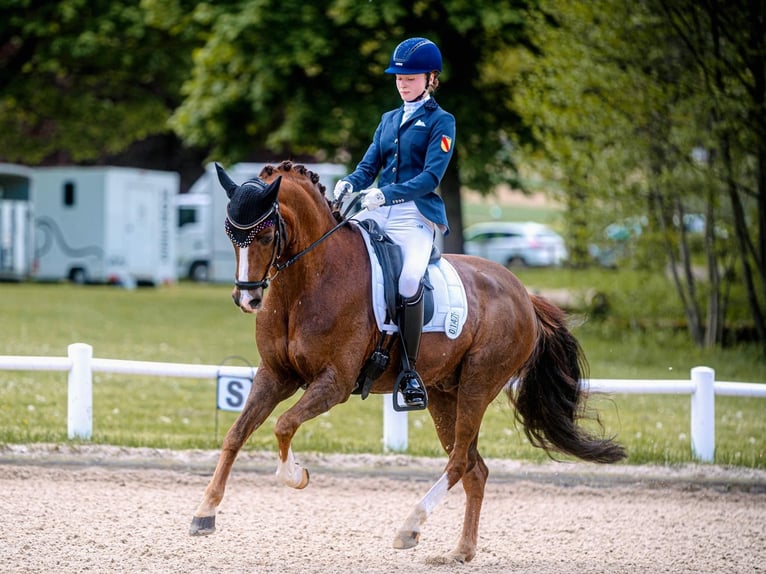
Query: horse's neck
339, 263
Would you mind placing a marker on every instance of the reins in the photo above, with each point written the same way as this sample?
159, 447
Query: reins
278, 245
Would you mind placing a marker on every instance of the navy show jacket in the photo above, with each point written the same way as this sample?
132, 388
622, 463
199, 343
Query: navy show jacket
410, 160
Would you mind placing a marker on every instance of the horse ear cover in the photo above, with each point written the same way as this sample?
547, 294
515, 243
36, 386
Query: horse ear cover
250, 202
226, 182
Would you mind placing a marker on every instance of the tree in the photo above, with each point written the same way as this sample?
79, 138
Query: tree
628, 98
288, 77
82, 79
727, 44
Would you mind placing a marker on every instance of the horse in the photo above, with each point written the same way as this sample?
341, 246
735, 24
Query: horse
304, 272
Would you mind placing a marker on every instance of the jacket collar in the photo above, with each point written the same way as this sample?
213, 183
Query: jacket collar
429, 106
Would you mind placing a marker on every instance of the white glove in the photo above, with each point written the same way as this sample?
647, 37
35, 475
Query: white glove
341, 188
373, 199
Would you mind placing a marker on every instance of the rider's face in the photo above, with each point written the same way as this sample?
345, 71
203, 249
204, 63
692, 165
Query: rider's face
410, 87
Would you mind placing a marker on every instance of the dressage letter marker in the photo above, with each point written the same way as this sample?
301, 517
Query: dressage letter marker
232, 392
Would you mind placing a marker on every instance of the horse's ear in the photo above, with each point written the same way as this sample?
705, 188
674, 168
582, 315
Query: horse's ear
226, 182
272, 190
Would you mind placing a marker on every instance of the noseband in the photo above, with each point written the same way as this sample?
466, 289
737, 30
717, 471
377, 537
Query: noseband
271, 218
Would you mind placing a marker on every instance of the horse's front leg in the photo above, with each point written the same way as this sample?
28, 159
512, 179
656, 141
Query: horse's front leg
264, 396
320, 396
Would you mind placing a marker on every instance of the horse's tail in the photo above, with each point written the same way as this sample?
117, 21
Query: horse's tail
547, 395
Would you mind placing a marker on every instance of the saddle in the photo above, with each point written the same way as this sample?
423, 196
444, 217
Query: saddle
389, 257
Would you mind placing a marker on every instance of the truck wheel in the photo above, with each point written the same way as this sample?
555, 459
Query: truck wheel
199, 272
78, 276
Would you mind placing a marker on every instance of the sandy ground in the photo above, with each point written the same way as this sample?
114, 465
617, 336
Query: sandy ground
107, 509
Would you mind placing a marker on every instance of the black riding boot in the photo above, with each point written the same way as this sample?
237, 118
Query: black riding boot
410, 322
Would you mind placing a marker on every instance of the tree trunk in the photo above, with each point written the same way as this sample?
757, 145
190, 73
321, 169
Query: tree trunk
450, 190
685, 289
743, 242
714, 323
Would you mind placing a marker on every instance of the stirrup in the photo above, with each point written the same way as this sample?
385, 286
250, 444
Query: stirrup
412, 390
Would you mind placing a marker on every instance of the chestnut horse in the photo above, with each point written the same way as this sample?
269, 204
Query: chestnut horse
315, 328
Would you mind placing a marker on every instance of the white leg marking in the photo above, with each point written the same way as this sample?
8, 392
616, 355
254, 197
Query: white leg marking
242, 271
290, 472
425, 507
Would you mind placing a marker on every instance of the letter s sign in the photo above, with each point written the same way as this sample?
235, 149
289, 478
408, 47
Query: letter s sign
232, 392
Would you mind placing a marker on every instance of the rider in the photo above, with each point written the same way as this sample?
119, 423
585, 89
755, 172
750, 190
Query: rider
409, 154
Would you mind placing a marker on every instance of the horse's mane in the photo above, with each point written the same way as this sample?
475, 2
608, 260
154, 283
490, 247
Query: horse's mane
296, 172
290, 169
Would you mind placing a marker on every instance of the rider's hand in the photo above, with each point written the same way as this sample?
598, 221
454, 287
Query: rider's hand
373, 199
341, 188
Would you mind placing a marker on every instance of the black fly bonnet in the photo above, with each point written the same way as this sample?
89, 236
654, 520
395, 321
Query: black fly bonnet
253, 207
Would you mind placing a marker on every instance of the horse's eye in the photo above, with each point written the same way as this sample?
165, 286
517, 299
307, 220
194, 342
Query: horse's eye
266, 238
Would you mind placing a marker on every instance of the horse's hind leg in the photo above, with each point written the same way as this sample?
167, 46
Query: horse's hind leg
459, 439
474, 481
442, 407
263, 398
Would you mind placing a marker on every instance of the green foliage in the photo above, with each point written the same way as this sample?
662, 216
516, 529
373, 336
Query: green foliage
652, 110
612, 104
83, 79
292, 78
192, 323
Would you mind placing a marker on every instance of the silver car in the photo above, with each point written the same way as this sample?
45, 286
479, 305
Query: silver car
515, 243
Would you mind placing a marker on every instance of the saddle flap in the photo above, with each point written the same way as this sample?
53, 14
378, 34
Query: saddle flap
389, 256
446, 305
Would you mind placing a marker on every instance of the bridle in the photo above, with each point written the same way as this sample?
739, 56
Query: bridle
271, 218
279, 242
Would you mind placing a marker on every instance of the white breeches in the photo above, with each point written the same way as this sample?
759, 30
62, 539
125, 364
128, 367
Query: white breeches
408, 228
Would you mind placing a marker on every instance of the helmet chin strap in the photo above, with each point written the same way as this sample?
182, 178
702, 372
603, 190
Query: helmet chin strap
420, 97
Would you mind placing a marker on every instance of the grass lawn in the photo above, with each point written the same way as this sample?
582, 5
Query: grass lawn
198, 324
190, 323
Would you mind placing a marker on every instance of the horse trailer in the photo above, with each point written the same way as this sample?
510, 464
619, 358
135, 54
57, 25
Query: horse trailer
204, 250
16, 231
105, 225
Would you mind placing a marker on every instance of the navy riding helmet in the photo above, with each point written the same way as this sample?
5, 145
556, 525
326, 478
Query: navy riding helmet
415, 56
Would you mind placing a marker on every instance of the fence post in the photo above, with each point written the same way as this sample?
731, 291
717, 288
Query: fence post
703, 414
80, 392
394, 427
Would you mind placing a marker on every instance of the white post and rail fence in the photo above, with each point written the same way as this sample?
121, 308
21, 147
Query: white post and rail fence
80, 366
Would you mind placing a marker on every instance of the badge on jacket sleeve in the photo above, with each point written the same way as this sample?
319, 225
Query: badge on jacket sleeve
446, 143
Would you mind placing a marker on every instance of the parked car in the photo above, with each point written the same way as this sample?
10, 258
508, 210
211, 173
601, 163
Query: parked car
617, 242
515, 243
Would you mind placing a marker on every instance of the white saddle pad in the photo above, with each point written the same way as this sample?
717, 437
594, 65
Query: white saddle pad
450, 302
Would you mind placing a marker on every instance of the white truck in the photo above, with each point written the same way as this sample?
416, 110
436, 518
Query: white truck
16, 230
204, 251
105, 225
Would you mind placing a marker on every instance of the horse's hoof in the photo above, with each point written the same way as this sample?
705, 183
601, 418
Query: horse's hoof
405, 540
304, 480
202, 525
459, 557
446, 560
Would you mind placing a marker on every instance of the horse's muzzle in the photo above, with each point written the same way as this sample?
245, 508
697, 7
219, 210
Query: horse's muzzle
248, 301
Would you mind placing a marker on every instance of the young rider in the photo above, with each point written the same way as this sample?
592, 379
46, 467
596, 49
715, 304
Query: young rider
409, 154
